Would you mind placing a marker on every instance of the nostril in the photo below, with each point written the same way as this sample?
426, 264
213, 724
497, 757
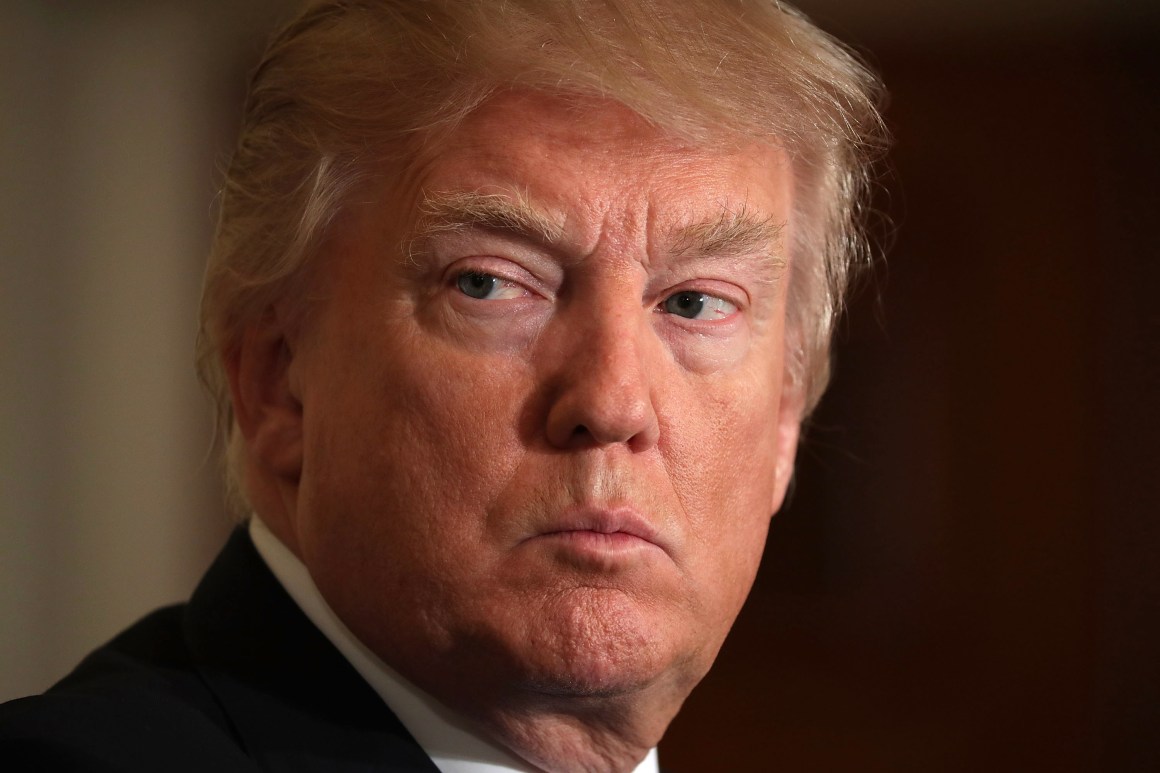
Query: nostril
580, 429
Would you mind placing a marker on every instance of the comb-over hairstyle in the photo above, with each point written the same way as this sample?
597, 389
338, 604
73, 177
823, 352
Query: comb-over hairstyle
350, 88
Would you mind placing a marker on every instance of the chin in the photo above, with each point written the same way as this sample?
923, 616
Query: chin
598, 643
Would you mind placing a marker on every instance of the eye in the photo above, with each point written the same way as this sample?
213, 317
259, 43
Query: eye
487, 287
694, 305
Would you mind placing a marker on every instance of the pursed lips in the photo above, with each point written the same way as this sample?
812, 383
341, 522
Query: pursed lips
610, 528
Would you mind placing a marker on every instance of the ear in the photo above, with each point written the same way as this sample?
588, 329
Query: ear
267, 408
789, 423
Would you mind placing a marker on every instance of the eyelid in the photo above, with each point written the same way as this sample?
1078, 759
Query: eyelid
497, 254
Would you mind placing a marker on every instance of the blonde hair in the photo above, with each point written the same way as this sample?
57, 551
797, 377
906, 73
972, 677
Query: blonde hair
352, 87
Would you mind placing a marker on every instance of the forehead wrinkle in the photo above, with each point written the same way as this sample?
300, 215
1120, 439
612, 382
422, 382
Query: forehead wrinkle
623, 230
731, 234
444, 212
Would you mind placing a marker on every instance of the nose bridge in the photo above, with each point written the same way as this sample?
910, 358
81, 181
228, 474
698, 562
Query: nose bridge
604, 393
614, 343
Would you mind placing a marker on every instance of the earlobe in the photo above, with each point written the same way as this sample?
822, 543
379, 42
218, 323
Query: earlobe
267, 407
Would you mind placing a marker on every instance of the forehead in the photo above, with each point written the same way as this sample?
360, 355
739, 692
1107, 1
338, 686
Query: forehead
584, 159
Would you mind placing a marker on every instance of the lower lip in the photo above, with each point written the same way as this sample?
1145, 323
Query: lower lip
597, 545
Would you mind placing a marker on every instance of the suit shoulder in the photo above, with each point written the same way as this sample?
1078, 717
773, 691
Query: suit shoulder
112, 731
135, 704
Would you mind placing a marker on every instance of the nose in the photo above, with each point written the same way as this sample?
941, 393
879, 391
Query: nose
603, 393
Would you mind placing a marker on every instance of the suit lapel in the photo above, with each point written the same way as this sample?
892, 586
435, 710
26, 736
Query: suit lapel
294, 702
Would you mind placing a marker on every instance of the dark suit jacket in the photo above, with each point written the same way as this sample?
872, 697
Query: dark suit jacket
238, 679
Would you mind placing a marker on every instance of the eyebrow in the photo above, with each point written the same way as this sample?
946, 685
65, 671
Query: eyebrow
732, 234
454, 212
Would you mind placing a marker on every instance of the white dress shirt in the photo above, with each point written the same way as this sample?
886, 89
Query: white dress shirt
451, 741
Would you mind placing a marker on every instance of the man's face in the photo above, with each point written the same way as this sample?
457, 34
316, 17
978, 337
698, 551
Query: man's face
544, 425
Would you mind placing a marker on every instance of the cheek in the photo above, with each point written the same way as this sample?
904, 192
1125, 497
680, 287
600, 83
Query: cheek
410, 447
723, 435
723, 465
400, 473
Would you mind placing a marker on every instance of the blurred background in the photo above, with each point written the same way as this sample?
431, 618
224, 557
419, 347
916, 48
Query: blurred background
968, 575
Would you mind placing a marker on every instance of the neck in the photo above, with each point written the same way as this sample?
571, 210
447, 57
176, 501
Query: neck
580, 735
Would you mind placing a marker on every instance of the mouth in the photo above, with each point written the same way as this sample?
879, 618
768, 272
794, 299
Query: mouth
601, 533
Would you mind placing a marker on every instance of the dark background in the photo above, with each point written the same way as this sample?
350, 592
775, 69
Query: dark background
967, 575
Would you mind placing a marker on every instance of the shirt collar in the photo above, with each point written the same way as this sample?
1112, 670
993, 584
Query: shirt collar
450, 741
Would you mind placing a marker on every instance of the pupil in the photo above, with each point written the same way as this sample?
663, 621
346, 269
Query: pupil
475, 284
686, 304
